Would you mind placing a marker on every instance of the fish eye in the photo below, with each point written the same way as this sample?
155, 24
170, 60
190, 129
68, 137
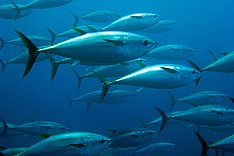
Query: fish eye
146, 42
193, 71
102, 141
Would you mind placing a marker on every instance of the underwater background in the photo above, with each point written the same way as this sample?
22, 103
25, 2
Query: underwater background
202, 25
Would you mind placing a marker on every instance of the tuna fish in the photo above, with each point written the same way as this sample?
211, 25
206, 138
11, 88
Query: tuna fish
131, 138
203, 98
202, 115
100, 48
113, 97
160, 76
224, 64
71, 143
41, 127
172, 52
161, 26
133, 22
101, 16
225, 145
111, 71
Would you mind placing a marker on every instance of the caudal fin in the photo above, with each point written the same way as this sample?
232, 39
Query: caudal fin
3, 65
172, 100
164, 118
54, 65
2, 43
52, 35
5, 127
32, 52
78, 77
203, 144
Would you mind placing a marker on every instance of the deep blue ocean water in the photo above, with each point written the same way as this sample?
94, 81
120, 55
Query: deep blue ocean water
202, 25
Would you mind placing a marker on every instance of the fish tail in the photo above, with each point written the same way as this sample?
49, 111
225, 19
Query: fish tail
105, 85
76, 19
32, 51
164, 118
54, 65
78, 77
173, 101
194, 65
52, 35
70, 100
17, 9
203, 143
2, 43
3, 65
5, 127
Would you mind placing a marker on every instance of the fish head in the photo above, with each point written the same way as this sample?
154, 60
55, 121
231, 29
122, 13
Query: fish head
189, 75
139, 45
99, 144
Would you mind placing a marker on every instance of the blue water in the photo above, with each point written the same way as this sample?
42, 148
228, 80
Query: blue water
202, 25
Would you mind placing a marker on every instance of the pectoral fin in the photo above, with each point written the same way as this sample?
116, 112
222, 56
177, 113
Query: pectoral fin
115, 42
169, 70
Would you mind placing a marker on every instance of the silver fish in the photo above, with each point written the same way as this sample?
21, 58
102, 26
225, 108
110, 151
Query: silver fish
132, 137
102, 48
115, 97
202, 115
171, 52
133, 22
203, 98
160, 76
111, 71
41, 127
71, 143
161, 26
101, 16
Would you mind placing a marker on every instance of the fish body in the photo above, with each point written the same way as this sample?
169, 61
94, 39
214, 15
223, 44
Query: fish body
132, 138
101, 16
156, 76
171, 52
205, 98
224, 64
71, 143
161, 26
133, 22
41, 127
43, 4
